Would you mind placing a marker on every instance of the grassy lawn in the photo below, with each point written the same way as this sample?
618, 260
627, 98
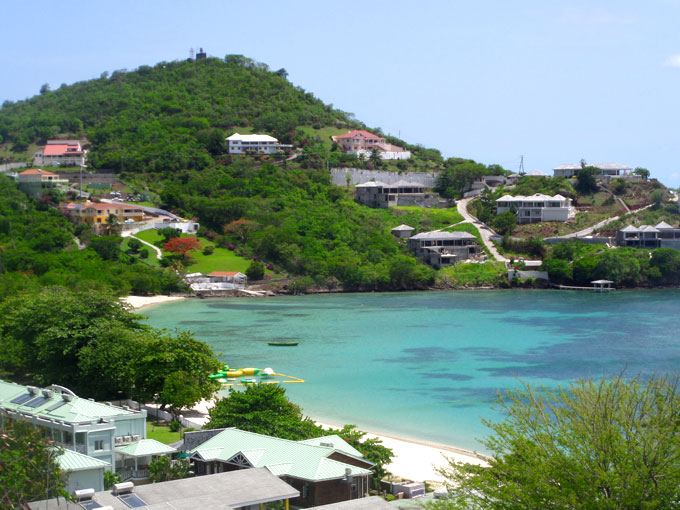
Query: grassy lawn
161, 432
222, 259
151, 260
324, 134
420, 218
472, 274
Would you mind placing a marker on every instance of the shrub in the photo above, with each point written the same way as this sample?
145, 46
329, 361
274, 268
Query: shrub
255, 270
144, 253
134, 244
175, 426
209, 250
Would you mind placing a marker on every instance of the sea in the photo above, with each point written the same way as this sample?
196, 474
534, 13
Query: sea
430, 365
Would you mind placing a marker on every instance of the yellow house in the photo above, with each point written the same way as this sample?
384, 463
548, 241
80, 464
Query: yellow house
97, 213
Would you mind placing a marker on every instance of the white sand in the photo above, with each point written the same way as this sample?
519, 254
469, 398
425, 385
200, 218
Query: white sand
138, 302
413, 459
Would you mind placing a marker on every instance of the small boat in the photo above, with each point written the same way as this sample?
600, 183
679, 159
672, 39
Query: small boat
283, 344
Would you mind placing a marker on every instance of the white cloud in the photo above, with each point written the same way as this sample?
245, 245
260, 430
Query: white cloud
672, 61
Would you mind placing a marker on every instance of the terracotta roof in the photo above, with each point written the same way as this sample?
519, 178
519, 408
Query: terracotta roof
355, 132
59, 150
36, 171
224, 273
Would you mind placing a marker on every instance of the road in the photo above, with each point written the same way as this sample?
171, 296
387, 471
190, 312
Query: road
484, 231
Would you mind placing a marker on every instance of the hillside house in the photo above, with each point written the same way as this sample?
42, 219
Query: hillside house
606, 171
402, 231
440, 249
381, 195
362, 143
324, 470
263, 144
96, 214
244, 490
99, 437
536, 208
60, 153
646, 236
36, 181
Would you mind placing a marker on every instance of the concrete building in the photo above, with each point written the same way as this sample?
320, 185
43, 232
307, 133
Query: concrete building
606, 171
646, 236
60, 153
97, 214
324, 470
362, 143
35, 181
263, 144
536, 208
440, 249
381, 195
402, 231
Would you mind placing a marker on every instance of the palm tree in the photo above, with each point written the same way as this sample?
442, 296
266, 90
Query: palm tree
112, 225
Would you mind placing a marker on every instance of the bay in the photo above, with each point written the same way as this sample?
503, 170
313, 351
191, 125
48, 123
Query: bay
428, 365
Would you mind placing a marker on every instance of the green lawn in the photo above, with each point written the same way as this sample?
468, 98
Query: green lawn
472, 274
161, 433
151, 260
324, 134
222, 259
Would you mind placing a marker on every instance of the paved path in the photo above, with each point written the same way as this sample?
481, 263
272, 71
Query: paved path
588, 231
484, 231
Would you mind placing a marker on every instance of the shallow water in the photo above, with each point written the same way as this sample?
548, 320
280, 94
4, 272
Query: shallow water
428, 365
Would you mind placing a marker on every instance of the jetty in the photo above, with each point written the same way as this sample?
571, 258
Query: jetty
598, 286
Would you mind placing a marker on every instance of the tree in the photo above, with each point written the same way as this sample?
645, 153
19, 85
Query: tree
504, 222
255, 270
169, 233
182, 246
134, 244
597, 445
241, 228
264, 409
29, 468
585, 180
162, 469
44, 88
112, 225
658, 196
642, 172
107, 247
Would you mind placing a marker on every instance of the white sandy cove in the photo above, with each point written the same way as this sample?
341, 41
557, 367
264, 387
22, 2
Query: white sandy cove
138, 302
413, 459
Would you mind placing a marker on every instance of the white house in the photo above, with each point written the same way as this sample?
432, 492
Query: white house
536, 208
242, 144
35, 181
439, 248
60, 153
606, 171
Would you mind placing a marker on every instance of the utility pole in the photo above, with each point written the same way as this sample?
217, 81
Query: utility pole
521, 166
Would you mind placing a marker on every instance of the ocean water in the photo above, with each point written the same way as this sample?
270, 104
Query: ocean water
428, 365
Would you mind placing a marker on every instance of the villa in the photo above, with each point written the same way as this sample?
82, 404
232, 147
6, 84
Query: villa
380, 195
244, 490
35, 181
362, 143
96, 214
60, 153
606, 171
97, 437
536, 208
646, 236
440, 249
243, 144
324, 470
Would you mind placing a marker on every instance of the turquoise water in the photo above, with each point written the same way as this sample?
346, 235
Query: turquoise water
428, 365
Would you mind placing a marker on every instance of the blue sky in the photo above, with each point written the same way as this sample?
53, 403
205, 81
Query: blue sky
553, 81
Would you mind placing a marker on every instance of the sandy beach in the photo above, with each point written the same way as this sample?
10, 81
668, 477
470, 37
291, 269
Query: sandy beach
137, 302
414, 459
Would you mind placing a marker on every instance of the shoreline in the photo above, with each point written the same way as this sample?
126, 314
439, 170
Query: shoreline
414, 459
139, 302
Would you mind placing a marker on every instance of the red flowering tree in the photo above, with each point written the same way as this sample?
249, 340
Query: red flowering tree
241, 229
182, 246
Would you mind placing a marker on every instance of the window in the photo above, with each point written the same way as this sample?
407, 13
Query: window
98, 444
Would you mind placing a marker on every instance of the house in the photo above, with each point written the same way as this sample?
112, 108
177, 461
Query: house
536, 208
606, 171
646, 236
245, 490
324, 470
402, 231
97, 214
381, 195
35, 181
60, 153
362, 143
440, 249
216, 281
243, 144
104, 437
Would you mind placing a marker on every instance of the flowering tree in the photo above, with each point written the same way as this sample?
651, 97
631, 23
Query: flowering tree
241, 229
182, 246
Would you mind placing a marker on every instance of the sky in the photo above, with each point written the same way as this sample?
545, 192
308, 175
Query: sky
555, 82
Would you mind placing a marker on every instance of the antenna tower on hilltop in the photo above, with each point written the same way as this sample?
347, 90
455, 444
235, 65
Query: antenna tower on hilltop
521, 166
191, 53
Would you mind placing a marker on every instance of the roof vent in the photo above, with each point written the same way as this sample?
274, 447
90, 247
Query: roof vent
123, 488
47, 393
83, 494
67, 397
326, 444
33, 390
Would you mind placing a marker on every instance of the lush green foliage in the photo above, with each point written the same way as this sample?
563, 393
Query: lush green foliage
585, 180
476, 275
29, 468
504, 222
598, 445
88, 341
163, 469
460, 173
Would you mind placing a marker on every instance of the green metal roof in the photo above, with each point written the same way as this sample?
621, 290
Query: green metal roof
78, 410
144, 448
281, 456
336, 442
73, 461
